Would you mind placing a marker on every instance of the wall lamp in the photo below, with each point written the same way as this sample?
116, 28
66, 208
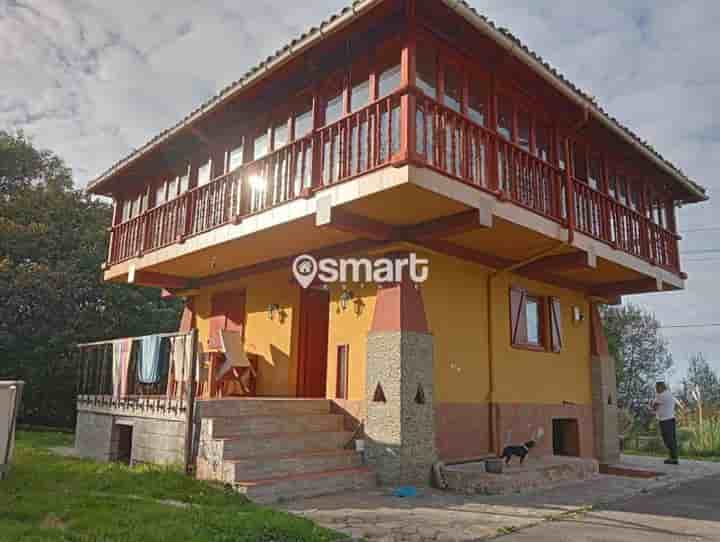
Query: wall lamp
273, 309
346, 297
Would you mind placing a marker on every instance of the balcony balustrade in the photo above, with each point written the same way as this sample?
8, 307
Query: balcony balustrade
381, 135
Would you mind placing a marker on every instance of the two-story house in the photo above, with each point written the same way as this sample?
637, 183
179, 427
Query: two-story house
398, 127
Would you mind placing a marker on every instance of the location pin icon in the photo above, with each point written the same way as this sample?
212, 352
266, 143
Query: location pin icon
305, 269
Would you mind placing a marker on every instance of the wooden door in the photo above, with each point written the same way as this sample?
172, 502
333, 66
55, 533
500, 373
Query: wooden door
313, 343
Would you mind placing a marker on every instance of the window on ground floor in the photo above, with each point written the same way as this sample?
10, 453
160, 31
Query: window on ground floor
535, 321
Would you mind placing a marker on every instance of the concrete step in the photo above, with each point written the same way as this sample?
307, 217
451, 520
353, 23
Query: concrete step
281, 444
219, 408
253, 425
259, 468
307, 485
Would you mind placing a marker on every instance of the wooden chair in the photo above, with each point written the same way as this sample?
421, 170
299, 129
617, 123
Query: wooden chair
238, 370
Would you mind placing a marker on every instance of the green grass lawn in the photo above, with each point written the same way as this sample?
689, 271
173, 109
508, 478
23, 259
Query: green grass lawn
52, 498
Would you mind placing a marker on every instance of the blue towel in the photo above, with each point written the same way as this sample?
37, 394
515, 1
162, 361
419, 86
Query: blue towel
149, 362
406, 492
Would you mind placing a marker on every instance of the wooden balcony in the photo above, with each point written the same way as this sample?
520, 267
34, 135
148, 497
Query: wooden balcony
403, 128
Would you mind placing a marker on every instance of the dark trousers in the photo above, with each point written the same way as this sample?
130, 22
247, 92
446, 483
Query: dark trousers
668, 429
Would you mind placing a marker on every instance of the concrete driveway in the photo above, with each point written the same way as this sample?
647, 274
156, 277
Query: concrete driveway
689, 512
441, 516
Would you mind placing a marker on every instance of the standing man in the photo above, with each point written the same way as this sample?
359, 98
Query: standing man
664, 407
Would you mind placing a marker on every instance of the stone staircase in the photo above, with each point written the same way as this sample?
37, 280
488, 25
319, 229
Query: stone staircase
278, 449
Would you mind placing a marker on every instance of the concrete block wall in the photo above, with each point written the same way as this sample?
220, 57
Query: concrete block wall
94, 436
154, 440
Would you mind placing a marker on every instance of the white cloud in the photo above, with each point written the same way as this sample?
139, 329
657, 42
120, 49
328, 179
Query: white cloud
94, 79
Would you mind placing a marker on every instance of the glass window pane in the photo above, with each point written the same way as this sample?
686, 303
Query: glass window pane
580, 162
172, 188
524, 130
505, 117
304, 118
612, 185
235, 158
532, 314
160, 194
561, 153
184, 182
360, 94
204, 173
453, 88
622, 190
542, 141
634, 197
334, 108
389, 80
137, 206
477, 106
281, 134
595, 172
126, 210
427, 70
261, 146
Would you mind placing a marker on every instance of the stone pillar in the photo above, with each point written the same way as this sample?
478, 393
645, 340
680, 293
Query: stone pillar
400, 422
604, 394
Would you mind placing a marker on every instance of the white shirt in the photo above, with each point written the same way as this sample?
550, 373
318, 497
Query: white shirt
665, 406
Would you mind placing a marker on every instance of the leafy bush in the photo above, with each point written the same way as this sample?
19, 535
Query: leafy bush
703, 438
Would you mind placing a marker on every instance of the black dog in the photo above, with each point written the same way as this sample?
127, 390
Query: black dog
520, 451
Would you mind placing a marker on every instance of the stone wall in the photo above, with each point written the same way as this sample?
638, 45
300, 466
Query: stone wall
155, 440
400, 424
605, 411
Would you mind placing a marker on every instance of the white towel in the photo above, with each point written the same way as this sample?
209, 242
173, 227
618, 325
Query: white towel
182, 357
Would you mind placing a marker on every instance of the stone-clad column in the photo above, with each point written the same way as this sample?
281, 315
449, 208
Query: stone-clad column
604, 394
400, 423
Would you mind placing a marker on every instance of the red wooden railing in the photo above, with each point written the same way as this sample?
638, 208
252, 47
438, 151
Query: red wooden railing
373, 137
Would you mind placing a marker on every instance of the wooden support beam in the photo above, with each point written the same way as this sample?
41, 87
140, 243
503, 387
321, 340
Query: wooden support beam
447, 226
563, 262
464, 253
359, 225
159, 280
360, 245
642, 286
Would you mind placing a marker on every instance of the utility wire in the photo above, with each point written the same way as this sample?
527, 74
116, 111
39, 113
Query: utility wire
705, 251
689, 326
698, 230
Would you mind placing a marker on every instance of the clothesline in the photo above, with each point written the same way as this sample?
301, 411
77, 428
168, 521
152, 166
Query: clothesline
161, 335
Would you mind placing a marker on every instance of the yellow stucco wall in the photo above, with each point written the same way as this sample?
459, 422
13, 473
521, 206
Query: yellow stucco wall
523, 376
455, 299
350, 327
273, 339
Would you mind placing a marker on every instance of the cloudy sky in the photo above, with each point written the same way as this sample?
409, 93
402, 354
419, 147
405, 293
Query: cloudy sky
93, 80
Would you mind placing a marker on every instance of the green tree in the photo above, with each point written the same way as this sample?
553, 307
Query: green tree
641, 356
52, 244
702, 377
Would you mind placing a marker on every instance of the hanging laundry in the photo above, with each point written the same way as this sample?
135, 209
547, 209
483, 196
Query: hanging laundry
117, 368
149, 368
121, 363
181, 357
